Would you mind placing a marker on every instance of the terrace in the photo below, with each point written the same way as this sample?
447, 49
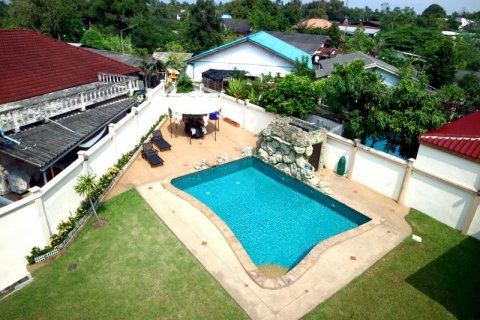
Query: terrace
342, 261
137, 265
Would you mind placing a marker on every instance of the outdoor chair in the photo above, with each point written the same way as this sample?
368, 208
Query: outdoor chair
159, 141
151, 155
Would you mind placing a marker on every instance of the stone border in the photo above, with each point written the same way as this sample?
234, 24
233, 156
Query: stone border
252, 270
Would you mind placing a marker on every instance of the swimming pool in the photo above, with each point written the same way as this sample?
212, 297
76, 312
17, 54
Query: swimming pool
276, 218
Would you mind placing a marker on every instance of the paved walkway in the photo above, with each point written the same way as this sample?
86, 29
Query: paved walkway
335, 267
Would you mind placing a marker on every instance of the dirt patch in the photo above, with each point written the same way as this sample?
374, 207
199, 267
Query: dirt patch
100, 224
272, 270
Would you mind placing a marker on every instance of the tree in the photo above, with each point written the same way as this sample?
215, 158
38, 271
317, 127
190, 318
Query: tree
412, 111
148, 68
292, 96
204, 30
335, 35
60, 19
184, 84
409, 38
302, 69
359, 41
397, 17
86, 186
434, 10
359, 97
440, 67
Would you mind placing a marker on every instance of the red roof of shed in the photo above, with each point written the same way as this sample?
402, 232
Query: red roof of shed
33, 64
461, 137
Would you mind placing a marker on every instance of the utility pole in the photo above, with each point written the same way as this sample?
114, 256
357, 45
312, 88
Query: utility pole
121, 35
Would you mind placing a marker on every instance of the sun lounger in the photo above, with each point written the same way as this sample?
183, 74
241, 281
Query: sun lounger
159, 141
150, 154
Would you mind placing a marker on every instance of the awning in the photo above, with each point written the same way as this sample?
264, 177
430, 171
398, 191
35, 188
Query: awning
195, 105
45, 144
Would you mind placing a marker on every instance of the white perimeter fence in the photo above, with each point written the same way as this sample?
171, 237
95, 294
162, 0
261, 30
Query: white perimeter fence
30, 221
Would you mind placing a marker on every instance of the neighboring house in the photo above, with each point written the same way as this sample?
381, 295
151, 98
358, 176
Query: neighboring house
172, 61
372, 28
388, 72
237, 26
463, 22
314, 23
257, 54
459, 75
55, 99
453, 153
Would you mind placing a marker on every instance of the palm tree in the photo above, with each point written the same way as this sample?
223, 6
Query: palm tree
149, 69
86, 186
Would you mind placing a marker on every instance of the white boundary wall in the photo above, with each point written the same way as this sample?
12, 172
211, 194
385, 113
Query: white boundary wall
30, 221
441, 185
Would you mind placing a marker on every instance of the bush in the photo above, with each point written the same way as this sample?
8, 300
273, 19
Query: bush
184, 84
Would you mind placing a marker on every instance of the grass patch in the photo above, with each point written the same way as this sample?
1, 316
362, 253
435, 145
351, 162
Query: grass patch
435, 279
134, 268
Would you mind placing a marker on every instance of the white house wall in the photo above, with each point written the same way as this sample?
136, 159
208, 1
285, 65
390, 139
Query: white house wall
388, 78
449, 166
244, 56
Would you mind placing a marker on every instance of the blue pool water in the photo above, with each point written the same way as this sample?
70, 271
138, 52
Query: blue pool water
277, 219
381, 145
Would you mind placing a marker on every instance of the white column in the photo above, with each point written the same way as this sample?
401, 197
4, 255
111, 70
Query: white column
111, 129
471, 213
406, 181
84, 156
351, 163
42, 215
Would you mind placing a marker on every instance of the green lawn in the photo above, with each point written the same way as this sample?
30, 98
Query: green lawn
436, 279
134, 268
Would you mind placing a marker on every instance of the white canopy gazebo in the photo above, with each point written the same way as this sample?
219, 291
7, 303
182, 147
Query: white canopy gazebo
195, 106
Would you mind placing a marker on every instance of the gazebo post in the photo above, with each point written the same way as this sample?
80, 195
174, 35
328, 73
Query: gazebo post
170, 116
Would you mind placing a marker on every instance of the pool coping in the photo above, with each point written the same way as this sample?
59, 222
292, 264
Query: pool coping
251, 269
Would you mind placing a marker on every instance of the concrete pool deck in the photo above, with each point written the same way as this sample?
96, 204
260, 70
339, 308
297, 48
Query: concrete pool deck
335, 267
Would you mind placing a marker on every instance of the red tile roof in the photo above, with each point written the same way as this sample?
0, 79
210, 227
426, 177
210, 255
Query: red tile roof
33, 64
461, 137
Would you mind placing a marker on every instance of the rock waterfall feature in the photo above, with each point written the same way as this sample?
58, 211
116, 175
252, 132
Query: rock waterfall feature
288, 145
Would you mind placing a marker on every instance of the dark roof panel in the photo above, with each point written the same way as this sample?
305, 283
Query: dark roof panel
327, 65
238, 25
34, 64
303, 41
46, 143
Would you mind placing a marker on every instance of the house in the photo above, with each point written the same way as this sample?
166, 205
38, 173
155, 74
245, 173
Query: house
257, 54
453, 153
56, 99
129, 59
238, 26
314, 23
388, 72
372, 28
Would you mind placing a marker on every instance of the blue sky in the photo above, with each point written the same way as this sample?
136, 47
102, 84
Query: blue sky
420, 5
